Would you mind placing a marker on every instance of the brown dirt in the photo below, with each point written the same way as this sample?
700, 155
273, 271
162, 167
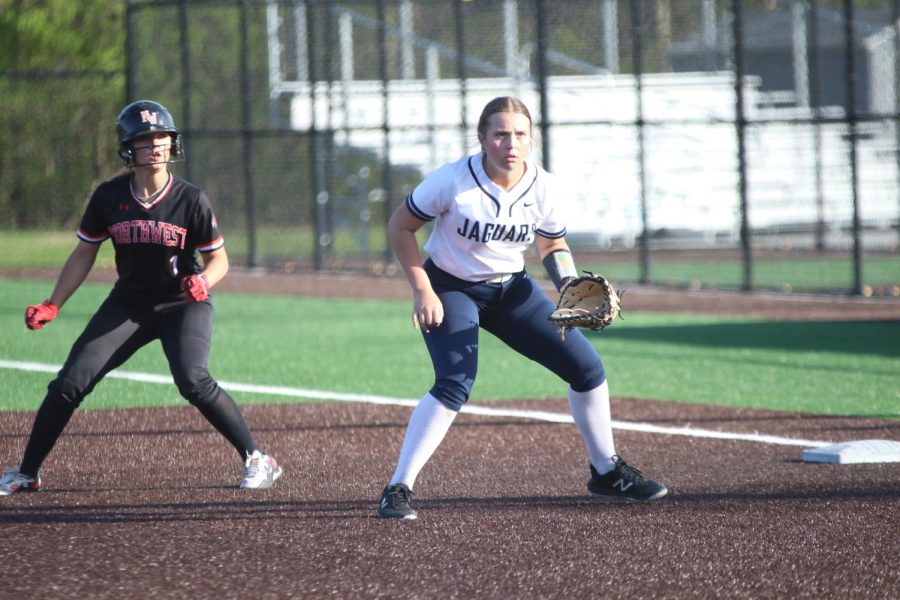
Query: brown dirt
142, 503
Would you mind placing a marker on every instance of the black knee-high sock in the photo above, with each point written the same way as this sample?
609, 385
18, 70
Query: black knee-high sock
52, 417
228, 420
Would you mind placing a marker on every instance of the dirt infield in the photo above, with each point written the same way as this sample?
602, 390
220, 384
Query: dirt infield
143, 503
769, 305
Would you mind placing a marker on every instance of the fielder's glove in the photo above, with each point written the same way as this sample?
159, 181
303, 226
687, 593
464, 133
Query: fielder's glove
589, 301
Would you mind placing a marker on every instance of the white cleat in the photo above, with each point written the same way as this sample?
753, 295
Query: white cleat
15, 481
260, 471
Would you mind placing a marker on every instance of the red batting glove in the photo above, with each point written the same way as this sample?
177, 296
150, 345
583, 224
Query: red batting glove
195, 287
40, 314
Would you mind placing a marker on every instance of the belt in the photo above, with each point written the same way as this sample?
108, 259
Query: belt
499, 278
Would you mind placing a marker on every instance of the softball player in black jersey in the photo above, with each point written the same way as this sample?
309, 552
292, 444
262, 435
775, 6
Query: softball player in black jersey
158, 224
487, 209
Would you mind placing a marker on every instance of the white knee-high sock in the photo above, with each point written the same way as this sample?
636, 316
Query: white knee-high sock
590, 410
427, 427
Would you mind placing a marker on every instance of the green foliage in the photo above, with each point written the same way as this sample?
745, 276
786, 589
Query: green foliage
58, 105
60, 34
53, 162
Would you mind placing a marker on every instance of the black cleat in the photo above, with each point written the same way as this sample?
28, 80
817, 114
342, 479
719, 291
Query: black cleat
395, 503
624, 482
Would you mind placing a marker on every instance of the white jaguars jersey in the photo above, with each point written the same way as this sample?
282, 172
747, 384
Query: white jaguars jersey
480, 230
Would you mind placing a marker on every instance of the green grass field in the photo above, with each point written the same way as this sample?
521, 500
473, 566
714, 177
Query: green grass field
368, 347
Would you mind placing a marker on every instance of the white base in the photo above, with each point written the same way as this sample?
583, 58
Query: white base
862, 451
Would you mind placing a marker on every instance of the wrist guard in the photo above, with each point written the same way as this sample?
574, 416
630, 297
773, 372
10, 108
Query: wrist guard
561, 267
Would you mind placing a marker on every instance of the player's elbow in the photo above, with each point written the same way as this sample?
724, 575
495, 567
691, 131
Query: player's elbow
216, 264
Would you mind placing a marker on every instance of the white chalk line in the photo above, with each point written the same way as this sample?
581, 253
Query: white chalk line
549, 417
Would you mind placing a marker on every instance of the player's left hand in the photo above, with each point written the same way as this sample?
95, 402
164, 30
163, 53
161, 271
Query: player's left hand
590, 301
38, 315
195, 287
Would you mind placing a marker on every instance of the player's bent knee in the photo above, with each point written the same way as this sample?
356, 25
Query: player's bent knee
198, 391
589, 378
66, 390
451, 396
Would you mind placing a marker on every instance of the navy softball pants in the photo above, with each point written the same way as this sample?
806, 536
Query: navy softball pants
516, 312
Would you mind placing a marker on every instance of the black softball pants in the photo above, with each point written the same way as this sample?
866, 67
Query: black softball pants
118, 330
115, 332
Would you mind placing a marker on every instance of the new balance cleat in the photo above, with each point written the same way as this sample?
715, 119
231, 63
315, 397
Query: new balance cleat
14, 480
625, 482
260, 471
395, 503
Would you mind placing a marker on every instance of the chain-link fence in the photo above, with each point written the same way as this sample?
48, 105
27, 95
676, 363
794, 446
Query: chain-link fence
731, 143
52, 154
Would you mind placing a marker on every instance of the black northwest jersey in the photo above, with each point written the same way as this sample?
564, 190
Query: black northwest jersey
156, 245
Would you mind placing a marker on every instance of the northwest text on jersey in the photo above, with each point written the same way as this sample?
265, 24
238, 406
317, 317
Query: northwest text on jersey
143, 231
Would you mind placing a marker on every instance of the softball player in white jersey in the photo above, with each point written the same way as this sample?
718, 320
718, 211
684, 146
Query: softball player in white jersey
487, 210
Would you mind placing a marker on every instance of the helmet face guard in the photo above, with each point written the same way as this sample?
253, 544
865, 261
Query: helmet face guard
141, 118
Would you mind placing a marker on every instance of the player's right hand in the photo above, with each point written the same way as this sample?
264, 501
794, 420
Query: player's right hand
428, 311
38, 315
195, 287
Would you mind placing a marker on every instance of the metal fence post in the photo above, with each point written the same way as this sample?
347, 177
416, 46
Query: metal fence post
852, 135
543, 44
461, 70
129, 51
812, 16
387, 178
186, 83
895, 19
317, 152
740, 122
247, 138
639, 126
